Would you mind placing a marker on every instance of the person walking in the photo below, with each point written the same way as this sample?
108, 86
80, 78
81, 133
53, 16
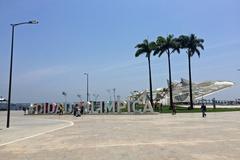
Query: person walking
24, 110
174, 111
161, 107
203, 109
81, 109
60, 109
78, 114
75, 110
214, 103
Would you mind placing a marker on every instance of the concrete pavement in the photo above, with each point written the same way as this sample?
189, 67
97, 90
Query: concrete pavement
151, 137
23, 127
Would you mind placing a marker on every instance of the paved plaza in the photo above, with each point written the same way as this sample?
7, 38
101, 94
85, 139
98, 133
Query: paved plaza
119, 137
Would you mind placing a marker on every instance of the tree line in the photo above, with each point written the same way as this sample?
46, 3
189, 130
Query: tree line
191, 44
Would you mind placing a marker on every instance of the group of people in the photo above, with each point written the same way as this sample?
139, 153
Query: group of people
25, 110
78, 110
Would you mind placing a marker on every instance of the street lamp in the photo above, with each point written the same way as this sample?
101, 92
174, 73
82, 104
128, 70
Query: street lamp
65, 97
87, 85
80, 97
109, 92
114, 94
118, 97
11, 61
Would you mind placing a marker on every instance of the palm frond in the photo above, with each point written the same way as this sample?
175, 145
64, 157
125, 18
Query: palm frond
192, 44
160, 40
145, 41
145, 47
139, 52
156, 51
169, 38
201, 46
152, 46
140, 45
198, 52
161, 53
176, 49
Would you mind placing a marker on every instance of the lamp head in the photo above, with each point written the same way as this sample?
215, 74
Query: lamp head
33, 22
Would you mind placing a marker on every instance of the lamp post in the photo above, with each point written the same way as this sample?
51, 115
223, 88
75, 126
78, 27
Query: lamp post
11, 61
80, 97
114, 94
65, 97
118, 97
109, 92
87, 85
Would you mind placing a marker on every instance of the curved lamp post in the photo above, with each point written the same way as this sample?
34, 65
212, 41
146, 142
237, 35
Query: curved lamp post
79, 96
65, 97
11, 61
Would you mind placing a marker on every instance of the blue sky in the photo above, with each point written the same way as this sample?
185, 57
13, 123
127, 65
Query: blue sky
98, 37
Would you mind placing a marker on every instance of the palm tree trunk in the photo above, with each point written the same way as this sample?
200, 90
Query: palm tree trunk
190, 81
150, 80
170, 81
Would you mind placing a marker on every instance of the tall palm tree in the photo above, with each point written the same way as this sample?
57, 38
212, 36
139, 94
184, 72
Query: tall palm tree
192, 44
167, 45
147, 48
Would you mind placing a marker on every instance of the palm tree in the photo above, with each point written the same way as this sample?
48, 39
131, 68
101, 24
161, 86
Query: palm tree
192, 44
167, 45
147, 48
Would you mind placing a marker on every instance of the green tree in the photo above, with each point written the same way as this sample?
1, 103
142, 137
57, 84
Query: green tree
147, 48
167, 45
192, 44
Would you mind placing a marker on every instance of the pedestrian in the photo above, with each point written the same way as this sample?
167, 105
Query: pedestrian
161, 107
203, 109
61, 109
75, 109
24, 110
81, 109
174, 111
78, 113
214, 103
27, 110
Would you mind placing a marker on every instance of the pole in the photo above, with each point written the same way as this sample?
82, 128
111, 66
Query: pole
10, 80
65, 96
11, 63
87, 88
109, 92
114, 95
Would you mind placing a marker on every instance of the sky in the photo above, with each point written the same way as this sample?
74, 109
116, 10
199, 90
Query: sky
98, 37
